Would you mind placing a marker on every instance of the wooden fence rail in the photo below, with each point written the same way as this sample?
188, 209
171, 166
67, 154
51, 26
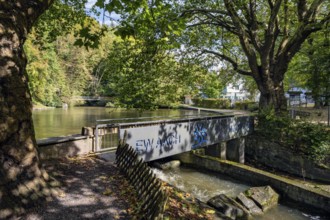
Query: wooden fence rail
144, 181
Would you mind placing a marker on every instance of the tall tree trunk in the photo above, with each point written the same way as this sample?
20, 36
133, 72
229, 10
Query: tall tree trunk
22, 182
272, 93
273, 98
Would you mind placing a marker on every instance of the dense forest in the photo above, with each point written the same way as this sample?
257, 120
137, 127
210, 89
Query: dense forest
60, 69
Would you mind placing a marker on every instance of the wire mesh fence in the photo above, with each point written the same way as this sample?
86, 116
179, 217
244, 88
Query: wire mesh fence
310, 114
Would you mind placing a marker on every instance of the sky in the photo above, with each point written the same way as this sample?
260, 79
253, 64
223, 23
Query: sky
90, 3
107, 18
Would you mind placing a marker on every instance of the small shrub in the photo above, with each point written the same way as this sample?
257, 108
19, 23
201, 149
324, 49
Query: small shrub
246, 105
212, 103
311, 140
271, 126
110, 105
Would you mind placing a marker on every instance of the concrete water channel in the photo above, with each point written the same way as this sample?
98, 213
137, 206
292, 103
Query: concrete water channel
203, 185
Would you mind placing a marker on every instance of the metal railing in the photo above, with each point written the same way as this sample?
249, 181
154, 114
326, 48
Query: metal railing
107, 130
321, 116
106, 137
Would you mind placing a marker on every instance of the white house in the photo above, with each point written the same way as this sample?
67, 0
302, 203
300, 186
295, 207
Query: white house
235, 92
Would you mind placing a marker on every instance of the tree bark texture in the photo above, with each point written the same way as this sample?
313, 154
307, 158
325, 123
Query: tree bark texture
272, 95
22, 181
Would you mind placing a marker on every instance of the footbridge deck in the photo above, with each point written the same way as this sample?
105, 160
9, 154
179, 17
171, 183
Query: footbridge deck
163, 138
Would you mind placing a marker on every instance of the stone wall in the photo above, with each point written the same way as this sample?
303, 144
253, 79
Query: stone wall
287, 188
273, 155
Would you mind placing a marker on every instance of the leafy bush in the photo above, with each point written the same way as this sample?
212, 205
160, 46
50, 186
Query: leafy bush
312, 140
211, 103
110, 105
246, 105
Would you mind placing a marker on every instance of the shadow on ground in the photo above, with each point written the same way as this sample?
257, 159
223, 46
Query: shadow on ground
90, 189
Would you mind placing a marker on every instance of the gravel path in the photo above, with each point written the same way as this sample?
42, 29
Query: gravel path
90, 189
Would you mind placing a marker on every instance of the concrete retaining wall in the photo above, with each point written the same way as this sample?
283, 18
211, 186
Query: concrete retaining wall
288, 189
274, 155
67, 146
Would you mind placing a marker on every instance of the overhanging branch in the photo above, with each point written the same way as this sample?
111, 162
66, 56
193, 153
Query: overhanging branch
210, 17
243, 35
292, 45
203, 10
230, 60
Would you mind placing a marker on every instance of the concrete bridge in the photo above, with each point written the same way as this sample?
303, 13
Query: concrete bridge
224, 136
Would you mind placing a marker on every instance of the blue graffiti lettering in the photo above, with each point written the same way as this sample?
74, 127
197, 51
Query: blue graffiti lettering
148, 143
143, 146
139, 146
200, 135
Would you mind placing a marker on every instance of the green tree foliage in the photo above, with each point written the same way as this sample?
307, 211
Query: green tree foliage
310, 69
58, 68
211, 85
138, 78
308, 139
62, 18
59, 20
256, 38
46, 75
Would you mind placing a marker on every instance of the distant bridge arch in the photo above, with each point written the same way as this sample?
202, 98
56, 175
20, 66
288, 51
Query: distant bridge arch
91, 98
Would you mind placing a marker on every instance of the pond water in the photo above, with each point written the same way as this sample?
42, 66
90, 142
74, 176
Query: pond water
61, 122
204, 185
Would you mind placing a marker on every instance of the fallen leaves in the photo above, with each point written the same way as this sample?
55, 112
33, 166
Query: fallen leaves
182, 205
107, 192
87, 160
61, 194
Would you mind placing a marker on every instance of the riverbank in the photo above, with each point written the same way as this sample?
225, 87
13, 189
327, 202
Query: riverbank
39, 106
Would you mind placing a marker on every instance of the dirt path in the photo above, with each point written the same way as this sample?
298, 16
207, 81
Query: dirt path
90, 189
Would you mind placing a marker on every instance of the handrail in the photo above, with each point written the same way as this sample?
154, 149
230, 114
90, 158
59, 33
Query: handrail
161, 121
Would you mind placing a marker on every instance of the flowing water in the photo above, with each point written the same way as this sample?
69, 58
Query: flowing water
204, 185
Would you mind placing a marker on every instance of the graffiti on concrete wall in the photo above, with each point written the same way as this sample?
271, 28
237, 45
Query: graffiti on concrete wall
143, 146
163, 140
200, 135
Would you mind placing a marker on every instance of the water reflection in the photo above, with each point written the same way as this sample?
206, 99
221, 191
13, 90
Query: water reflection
61, 122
